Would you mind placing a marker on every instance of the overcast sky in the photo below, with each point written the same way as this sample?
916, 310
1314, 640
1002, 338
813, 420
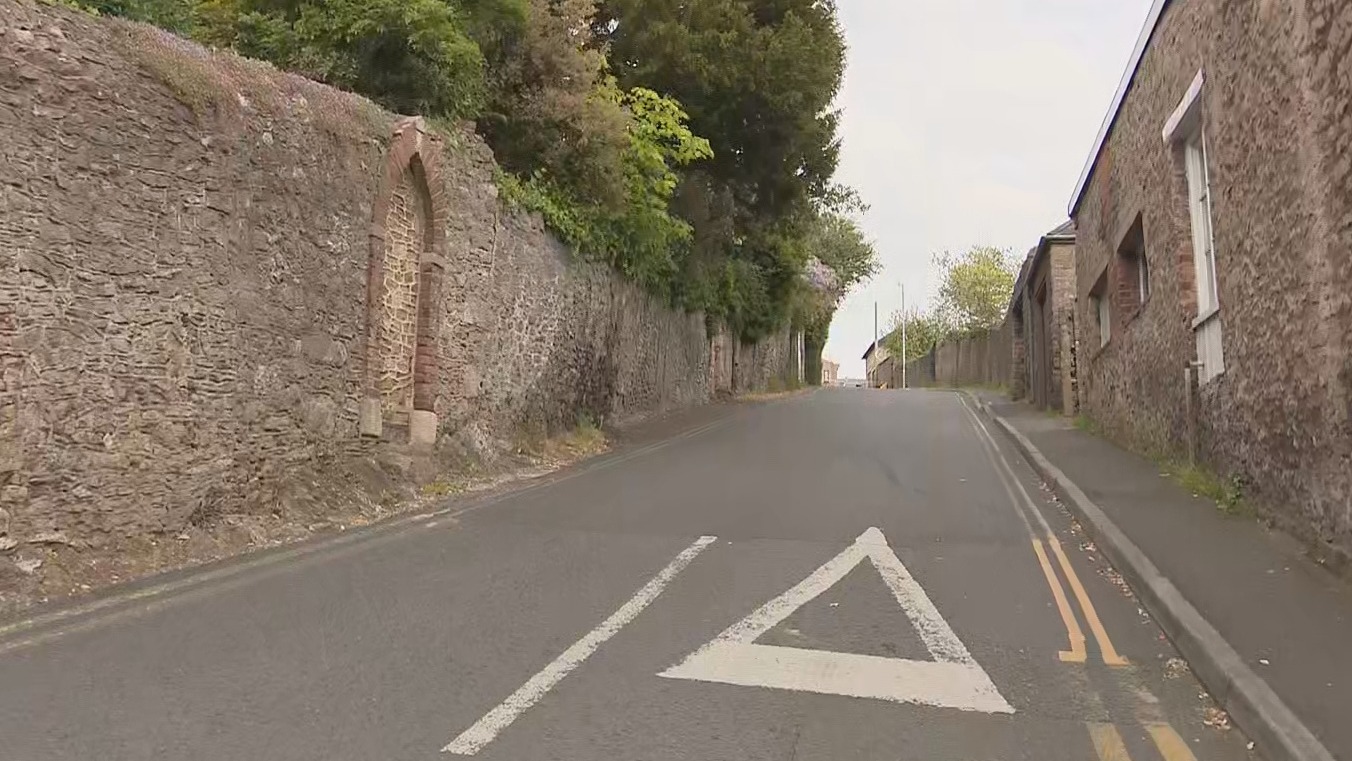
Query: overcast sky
967, 122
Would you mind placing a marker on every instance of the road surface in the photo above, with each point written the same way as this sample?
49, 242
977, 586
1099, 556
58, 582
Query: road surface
848, 574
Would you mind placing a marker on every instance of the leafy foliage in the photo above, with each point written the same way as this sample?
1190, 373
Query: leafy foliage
924, 331
842, 257
691, 145
975, 288
552, 106
758, 78
412, 56
974, 293
174, 15
640, 238
837, 241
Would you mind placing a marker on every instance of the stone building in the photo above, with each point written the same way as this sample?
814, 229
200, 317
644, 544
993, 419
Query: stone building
830, 372
874, 356
1043, 315
1214, 230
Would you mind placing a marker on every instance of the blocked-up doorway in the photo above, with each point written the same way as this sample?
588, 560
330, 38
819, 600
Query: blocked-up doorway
404, 291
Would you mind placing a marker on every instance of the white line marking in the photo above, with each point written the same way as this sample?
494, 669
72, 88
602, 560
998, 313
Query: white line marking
953, 679
1001, 464
933, 683
483, 732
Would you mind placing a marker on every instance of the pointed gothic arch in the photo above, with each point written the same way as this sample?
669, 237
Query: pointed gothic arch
405, 270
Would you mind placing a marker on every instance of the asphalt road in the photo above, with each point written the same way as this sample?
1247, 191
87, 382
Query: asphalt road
848, 574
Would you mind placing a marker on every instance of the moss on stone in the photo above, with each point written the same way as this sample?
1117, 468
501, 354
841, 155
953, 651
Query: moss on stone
233, 88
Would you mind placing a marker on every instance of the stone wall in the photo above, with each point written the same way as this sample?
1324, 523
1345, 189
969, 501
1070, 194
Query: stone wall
985, 359
770, 363
920, 372
1042, 318
214, 276
980, 360
1277, 129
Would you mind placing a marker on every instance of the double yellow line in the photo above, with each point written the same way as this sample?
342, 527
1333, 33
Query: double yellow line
1076, 653
1109, 746
1042, 538
1107, 740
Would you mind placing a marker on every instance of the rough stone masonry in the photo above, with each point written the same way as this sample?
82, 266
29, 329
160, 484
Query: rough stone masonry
213, 273
1278, 422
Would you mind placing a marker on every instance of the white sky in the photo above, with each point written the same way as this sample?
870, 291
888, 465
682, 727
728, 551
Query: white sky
967, 122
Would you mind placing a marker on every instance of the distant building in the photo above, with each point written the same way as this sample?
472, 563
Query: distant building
1044, 323
874, 357
830, 372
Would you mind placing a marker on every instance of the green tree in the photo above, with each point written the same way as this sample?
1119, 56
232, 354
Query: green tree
841, 258
412, 56
174, 15
639, 237
974, 288
553, 107
690, 144
924, 331
758, 78
837, 241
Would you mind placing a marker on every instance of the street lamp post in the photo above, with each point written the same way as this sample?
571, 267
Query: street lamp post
902, 359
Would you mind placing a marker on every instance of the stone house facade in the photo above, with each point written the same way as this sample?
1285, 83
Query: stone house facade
1043, 316
830, 372
1214, 253
874, 356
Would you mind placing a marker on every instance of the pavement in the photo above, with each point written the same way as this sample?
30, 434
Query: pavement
847, 574
1282, 624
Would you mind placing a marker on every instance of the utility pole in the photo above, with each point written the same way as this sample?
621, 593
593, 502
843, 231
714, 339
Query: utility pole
902, 360
872, 376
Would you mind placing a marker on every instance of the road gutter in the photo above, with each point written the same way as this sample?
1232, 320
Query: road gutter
1257, 709
45, 622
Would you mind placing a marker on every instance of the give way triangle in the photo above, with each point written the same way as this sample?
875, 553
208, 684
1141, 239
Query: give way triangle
953, 679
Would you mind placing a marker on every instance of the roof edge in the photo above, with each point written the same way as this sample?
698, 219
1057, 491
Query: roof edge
1152, 21
1031, 261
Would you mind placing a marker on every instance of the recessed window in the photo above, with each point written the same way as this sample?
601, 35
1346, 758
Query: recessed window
1101, 306
1133, 265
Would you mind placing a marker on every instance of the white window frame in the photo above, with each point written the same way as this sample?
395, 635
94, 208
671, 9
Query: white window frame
1199, 210
1185, 129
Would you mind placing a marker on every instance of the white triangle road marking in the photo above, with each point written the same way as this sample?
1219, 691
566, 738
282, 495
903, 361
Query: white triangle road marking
952, 680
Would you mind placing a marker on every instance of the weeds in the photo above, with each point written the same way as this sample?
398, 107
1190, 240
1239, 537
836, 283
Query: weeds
775, 387
442, 488
228, 86
1228, 494
584, 439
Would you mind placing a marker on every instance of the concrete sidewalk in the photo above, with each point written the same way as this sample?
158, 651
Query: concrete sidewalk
1211, 579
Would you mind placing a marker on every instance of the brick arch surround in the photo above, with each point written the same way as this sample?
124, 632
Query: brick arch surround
404, 287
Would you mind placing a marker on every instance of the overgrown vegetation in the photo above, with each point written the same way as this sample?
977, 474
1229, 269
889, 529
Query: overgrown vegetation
974, 292
1228, 494
691, 146
637, 235
584, 439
